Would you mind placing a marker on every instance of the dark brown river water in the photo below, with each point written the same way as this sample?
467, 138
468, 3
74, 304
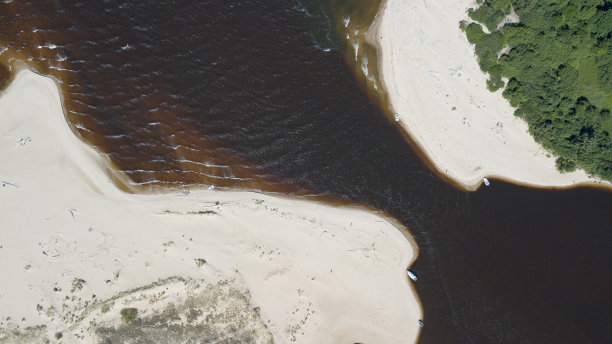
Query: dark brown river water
265, 94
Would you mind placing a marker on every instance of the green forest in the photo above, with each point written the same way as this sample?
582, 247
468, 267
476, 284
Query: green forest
557, 61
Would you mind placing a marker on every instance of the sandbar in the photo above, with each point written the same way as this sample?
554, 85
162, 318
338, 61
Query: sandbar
83, 261
435, 85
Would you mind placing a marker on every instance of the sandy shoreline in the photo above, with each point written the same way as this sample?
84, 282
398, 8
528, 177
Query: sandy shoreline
439, 92
78, 250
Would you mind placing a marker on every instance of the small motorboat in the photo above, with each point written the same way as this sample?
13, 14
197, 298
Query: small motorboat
212, 187
412, 275
396, 117
486, 181
421, 323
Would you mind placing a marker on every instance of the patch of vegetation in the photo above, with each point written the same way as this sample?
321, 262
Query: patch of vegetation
565, 165
208, 312
559, 71
106, 308
29, 335
77, 284
202, 212
167, 211
200, 261
129, 314
217, 313
489, 15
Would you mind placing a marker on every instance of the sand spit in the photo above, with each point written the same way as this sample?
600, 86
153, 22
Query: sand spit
439, 92
84, 262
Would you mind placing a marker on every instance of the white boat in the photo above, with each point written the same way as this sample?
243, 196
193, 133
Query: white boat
396, 117
212, 187
486, 181
412, 275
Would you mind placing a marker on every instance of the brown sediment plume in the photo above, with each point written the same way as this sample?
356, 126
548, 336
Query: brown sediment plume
162, 146
5, 75
135, 121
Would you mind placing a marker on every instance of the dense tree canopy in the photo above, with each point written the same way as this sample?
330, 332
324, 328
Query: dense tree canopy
558, 63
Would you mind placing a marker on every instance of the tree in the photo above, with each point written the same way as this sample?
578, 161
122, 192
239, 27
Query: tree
559, 68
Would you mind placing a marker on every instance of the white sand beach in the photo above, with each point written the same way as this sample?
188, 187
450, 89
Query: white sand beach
75, 250
436, 86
